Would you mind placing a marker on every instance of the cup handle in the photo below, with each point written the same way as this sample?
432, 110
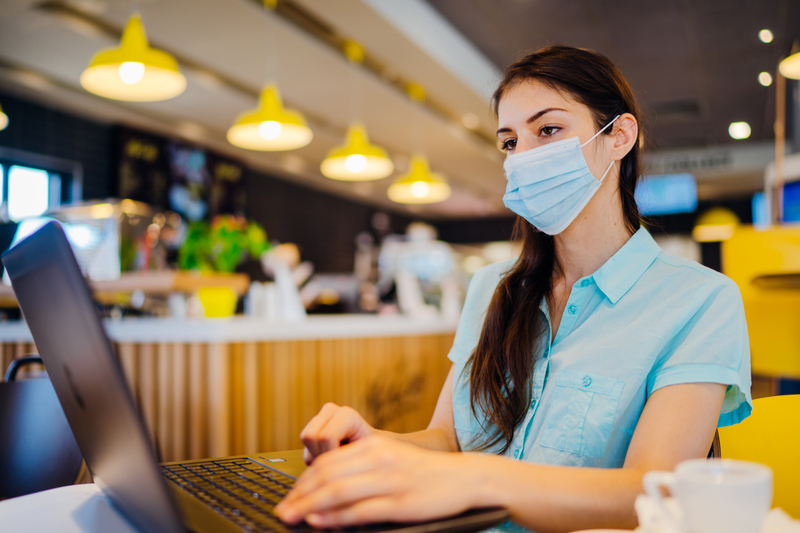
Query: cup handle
653, 482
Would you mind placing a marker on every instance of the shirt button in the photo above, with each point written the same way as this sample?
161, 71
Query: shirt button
586, 381
572, 309
532, 402
516, 453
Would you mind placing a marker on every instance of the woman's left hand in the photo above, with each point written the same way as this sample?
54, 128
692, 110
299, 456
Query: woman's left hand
379, 479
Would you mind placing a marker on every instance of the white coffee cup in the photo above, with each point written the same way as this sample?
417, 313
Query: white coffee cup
714, 495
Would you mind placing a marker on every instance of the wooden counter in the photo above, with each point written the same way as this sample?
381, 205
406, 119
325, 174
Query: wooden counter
211, 388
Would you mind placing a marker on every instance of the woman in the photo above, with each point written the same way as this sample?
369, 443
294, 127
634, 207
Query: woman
592, 359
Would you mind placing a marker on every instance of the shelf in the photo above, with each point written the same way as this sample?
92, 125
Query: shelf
151, 283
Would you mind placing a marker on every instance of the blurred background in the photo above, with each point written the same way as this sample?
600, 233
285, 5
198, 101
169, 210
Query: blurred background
260, 162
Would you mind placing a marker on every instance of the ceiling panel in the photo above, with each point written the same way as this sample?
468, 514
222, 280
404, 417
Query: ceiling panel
670, 51
230, 39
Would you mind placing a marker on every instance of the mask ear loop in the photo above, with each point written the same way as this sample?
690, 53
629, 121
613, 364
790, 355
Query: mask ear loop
594, 137
601, 131
606, 172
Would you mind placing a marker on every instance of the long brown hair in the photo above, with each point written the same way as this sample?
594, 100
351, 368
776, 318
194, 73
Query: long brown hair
502, 364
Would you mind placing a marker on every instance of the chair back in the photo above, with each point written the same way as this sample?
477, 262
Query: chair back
37, 448
771, 436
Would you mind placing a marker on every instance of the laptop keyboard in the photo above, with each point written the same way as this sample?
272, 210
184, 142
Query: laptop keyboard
241, 490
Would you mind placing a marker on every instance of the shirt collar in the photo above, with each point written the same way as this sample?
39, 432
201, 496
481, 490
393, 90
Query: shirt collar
618, 274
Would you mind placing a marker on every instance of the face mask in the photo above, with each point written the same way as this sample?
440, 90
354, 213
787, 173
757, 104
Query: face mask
549, 186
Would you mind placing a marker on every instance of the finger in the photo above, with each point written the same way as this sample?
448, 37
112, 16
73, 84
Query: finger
333, 433
343, 425
317, 477
314, 425
307, 456
309, 432
379, 509
362, 451
336, 494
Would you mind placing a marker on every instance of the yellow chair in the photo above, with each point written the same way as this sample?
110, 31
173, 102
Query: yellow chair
771, 436
766, 267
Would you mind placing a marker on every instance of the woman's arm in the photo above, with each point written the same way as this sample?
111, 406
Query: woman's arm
335, 425
380, 478
678, 423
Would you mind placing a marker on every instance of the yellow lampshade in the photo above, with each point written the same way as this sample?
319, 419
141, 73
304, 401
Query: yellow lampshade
420, 185
790, 67
3, 120
134, 72
358, 160
715, 225
270, 127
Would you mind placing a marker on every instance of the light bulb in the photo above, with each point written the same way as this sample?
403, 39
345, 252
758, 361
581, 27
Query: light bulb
471, 121
131, 72
739, 130
765, 79
355, 163
420, 189
765, 36
270, 129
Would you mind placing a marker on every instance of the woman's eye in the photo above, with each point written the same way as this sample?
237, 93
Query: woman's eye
508, 144
547, 131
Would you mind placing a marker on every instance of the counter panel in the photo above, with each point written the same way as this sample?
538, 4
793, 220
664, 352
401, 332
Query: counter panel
208, 399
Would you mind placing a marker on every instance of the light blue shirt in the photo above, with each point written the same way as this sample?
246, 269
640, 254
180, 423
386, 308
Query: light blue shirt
645, 320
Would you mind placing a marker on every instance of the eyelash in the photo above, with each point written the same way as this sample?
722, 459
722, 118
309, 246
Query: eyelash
553, 130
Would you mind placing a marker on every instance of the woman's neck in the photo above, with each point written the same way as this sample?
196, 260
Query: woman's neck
592, 238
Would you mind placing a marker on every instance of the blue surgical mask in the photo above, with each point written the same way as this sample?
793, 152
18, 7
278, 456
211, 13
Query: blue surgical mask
549, 186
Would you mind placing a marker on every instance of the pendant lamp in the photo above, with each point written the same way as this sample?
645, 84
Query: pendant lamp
790, 67
134, 72
358, 160
3, 120
420, 185
270, 127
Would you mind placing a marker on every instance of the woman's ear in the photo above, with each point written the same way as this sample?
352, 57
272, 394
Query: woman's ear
626, 135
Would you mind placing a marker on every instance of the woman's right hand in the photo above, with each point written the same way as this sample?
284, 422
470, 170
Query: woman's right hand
331, 428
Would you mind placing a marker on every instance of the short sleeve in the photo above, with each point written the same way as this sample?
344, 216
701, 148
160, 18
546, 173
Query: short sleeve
710, 346
473, 314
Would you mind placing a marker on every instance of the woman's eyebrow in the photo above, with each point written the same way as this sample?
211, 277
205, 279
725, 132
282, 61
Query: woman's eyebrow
533, 118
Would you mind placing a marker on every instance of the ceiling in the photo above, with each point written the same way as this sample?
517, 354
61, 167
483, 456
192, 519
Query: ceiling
693, 66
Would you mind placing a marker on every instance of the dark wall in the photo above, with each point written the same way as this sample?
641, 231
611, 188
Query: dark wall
711, 252
476, 230
323, 225
684, 222
498, 229
42, 130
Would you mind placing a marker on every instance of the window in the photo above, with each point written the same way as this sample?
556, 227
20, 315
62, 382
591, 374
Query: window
28, 192
34, 184
667, 194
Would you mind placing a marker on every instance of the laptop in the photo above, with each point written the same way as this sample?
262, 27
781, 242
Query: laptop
221, 495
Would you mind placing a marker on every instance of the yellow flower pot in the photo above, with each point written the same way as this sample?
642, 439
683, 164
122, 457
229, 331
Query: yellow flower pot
217, 302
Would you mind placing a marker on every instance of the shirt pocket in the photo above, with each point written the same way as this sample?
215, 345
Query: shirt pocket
582, 413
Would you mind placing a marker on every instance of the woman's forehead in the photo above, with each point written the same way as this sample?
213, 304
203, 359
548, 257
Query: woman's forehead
531, 95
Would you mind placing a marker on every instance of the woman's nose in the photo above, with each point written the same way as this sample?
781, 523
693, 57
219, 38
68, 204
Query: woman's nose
523, 145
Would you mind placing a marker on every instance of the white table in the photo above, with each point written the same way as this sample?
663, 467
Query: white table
72, 509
